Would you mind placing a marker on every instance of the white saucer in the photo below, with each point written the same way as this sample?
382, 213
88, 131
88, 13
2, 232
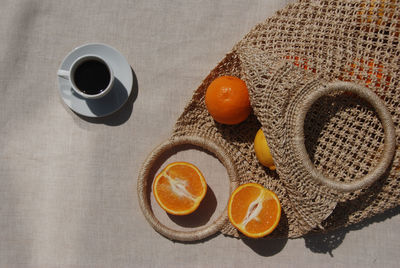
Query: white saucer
111, 102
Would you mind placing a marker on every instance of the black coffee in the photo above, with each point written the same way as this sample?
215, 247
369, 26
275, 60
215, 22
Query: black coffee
92, 77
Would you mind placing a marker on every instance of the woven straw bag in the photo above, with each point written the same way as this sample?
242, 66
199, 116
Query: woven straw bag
323, 78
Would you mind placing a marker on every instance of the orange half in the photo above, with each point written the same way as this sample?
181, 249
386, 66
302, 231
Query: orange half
179, 188
254, 210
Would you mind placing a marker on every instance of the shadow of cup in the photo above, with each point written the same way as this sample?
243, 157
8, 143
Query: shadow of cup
118, 97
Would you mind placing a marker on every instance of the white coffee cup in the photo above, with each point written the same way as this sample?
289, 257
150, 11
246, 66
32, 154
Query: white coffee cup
90, 76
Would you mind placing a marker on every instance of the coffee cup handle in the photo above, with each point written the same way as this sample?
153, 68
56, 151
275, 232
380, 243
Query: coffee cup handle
63, 74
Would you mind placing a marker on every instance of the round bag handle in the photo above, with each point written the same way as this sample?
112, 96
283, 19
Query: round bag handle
144, 180
388, 127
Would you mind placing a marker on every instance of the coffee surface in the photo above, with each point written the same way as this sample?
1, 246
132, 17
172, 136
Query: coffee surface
92, 77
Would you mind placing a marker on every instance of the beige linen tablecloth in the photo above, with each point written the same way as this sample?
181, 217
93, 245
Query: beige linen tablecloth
68, 184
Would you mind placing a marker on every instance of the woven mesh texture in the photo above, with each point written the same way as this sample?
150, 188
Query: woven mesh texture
303, 47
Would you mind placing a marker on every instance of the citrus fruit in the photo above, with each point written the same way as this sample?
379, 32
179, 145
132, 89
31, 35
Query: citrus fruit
179, 188
254, 210
262, 150
227, 100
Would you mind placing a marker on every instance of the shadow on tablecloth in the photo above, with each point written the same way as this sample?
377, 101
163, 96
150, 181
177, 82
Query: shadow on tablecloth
326, 242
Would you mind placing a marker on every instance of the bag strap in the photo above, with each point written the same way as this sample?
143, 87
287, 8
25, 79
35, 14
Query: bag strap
384, 116
145, 181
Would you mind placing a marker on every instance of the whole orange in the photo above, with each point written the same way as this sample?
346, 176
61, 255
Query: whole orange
227, 100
